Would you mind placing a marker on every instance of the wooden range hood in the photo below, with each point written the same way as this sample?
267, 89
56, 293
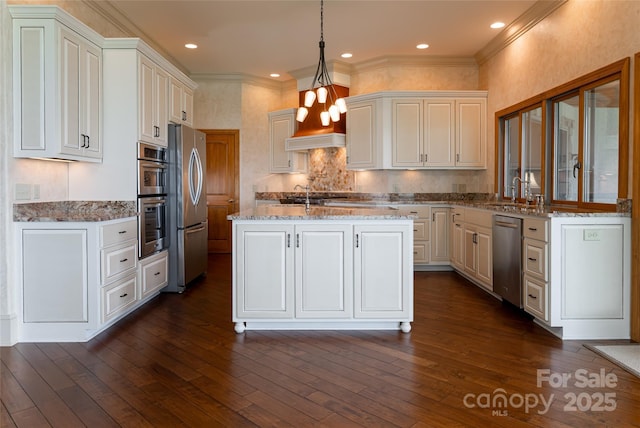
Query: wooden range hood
311, 134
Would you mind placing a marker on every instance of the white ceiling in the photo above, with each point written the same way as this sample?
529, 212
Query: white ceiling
264, 36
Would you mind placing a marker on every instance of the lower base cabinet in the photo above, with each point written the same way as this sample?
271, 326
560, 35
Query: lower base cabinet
322, 275
78, 278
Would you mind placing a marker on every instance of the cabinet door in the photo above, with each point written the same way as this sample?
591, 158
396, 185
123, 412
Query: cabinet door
439, 133
484, 257
470, 251
440, 234
154, 273
264, 272
471, 138
145, 98
70, 93
160, 106
55, 275
361, 135
407, 133
323, 269
282, 126
187, 106
175, 101
91, 101
457, 243
383, 272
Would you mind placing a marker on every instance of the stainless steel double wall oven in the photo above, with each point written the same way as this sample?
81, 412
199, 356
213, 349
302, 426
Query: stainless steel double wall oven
152, 199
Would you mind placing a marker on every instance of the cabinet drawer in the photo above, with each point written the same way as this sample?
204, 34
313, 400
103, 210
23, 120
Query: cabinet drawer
457, 215
420, 211
153, 276
536, 229
118, 297
118, 232
420, 230
535, 258
535, 297
117, 260
420, 252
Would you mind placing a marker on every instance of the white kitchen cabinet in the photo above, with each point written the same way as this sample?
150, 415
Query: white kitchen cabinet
322, 274
421, 232
153, 120
323, 271
117, 298
382, 268
439, 133
364, 134
423, 133
55, 276
58, 86
471, 133
153, 274
472, 245
263, 272
457, 238
440, 235
180, 103
282, 125
535, 266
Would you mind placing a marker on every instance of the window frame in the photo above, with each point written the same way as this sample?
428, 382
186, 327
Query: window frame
616, 71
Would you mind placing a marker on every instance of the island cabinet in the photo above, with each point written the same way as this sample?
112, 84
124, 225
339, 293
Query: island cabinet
58, 85
322, 274
471, 240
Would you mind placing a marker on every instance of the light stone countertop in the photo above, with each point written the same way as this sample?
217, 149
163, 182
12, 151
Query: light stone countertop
298, 212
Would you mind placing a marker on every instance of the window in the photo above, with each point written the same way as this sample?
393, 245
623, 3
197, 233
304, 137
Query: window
523, 153
586, 122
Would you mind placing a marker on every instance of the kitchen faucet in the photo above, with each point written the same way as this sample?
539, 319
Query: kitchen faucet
307, 204
527, 190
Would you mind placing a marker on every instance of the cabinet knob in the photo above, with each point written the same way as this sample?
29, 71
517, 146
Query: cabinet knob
532, 296
157, 273
124, 295
123, 260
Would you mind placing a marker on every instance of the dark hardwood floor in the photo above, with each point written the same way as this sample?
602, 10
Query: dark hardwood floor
178, 362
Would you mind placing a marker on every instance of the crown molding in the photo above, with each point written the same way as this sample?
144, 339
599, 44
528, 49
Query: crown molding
239, 78
115, 17
413, 60
532, 16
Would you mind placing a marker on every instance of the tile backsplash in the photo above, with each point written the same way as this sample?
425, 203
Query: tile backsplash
328, 170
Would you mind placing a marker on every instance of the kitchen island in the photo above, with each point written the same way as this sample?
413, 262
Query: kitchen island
322, 268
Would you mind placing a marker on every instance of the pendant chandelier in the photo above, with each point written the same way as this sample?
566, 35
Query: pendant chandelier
325, 92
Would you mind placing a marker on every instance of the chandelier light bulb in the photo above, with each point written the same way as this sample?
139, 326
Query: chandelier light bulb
322, 94
342, 105
334, 112
302, 114
309, 98
325, 118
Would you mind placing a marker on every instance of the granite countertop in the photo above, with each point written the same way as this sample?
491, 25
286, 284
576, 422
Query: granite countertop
298, 212
471, 200
73, 211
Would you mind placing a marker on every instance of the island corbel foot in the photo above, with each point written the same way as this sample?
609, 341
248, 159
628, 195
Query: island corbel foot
405, 327
240, 327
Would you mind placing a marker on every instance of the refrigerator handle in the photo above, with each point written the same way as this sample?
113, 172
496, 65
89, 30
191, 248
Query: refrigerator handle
195, 189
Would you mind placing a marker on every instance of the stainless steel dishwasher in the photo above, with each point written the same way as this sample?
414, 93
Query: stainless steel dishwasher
507, 258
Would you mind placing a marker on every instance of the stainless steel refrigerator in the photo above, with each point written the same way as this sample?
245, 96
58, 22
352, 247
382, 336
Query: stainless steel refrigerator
187, 207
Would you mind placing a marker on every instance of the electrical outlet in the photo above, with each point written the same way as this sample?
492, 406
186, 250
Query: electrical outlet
254, 188
36, 191
591, 235
462, 188
23, 192
396, 188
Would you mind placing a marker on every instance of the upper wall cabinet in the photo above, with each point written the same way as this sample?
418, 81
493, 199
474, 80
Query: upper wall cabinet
180, 103
282, 125
153, 88
57, 68
417, 130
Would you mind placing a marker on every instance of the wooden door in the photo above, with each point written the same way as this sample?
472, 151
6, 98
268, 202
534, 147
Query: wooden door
223, 172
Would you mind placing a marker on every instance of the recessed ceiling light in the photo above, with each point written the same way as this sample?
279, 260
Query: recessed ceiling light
422, 46
346, 55
191, 46
274, 75
496, 25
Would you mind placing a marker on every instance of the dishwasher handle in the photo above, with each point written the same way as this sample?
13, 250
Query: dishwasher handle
505, 224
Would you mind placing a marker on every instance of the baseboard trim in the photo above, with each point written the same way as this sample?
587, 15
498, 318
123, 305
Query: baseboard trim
8, 329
